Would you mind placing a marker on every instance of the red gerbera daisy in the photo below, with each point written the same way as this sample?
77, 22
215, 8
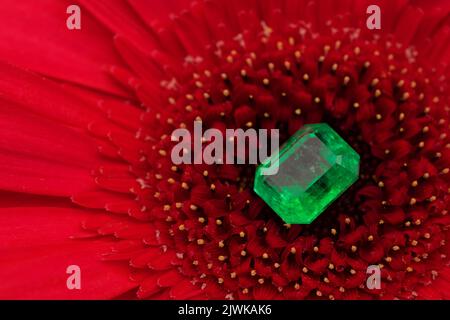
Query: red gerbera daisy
85, 139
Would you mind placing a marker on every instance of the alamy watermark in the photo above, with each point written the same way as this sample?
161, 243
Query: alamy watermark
235, 147
73, 281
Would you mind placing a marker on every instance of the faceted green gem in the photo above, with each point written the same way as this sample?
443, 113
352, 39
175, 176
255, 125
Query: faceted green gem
315, 166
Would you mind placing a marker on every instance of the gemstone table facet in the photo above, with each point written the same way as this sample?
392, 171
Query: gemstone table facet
315, 166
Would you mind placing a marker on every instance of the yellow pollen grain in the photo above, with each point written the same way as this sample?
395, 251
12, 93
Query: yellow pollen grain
346, 80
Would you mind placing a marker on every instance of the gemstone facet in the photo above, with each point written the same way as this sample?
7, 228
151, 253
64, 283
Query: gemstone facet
315, 166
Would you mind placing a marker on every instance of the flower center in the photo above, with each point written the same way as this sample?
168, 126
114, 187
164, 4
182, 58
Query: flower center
378, 100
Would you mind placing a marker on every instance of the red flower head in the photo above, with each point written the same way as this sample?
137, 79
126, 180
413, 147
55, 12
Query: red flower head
85, 141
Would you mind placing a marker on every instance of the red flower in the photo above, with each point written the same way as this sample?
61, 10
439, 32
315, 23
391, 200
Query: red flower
86, 177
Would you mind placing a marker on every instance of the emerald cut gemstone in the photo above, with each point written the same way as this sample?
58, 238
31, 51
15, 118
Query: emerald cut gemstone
315, 166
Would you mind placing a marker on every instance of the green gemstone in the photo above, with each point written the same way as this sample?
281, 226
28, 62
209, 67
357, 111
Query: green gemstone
315, 166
